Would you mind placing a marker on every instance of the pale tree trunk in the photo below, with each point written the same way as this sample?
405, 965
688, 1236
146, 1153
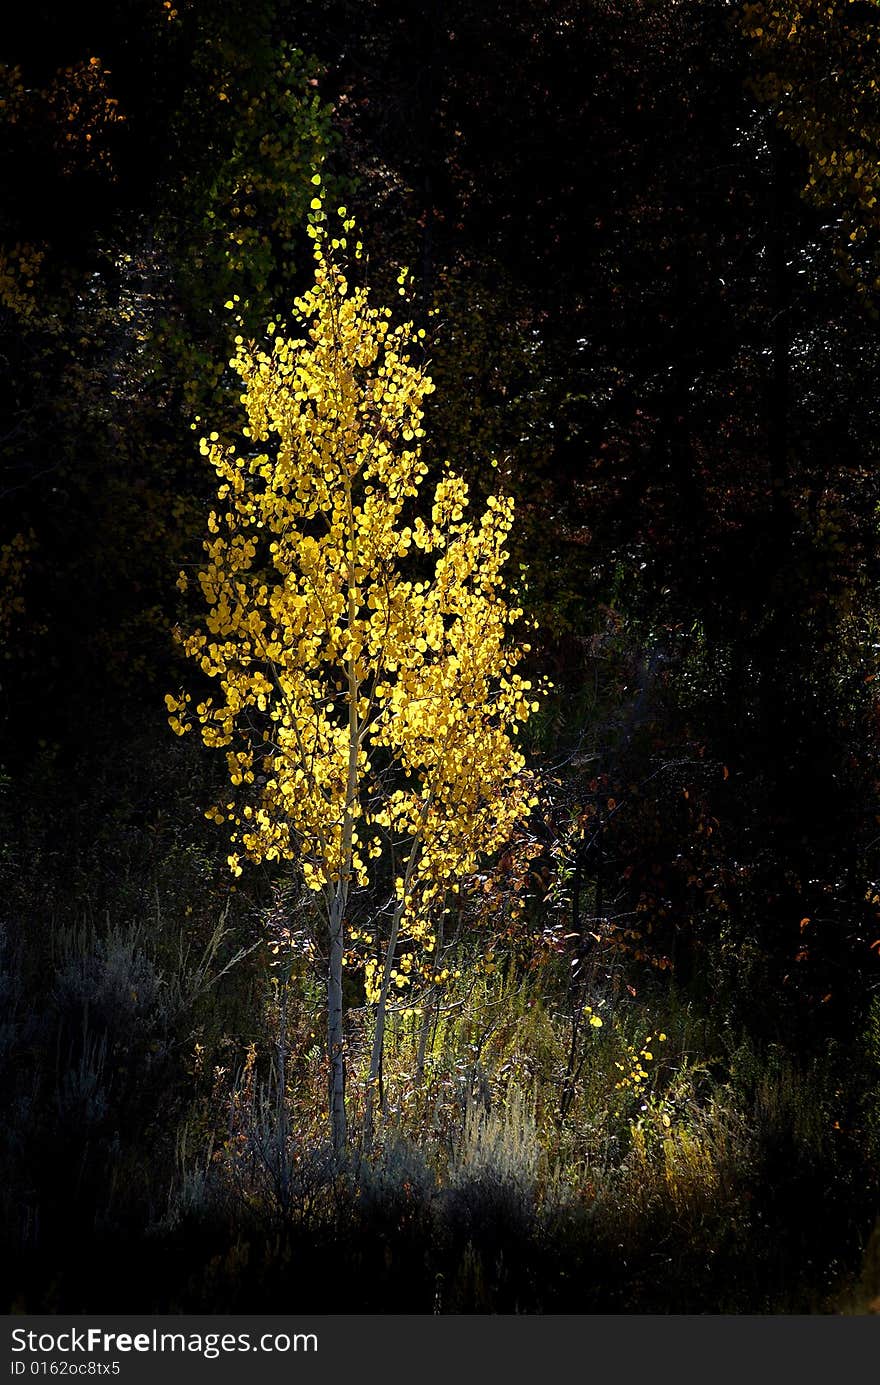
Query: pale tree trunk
429, 1015
430, 1011
375, 1075
339, 895
282, 1171
335, 1035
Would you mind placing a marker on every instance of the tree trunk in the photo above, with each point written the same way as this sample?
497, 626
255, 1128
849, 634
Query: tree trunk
430, 1011
374, 1079
282, 1171
335, 1036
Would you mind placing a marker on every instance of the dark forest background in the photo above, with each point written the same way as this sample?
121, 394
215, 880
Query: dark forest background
645, 252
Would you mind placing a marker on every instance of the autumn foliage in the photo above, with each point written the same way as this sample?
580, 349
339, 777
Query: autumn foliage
375, 711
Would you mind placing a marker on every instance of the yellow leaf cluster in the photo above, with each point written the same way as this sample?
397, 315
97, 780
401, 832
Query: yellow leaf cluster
19, 268
361, 655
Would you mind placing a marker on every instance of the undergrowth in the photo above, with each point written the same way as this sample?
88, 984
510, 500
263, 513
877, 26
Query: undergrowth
551, 1139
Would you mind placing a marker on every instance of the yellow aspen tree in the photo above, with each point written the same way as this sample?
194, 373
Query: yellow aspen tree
366, 689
